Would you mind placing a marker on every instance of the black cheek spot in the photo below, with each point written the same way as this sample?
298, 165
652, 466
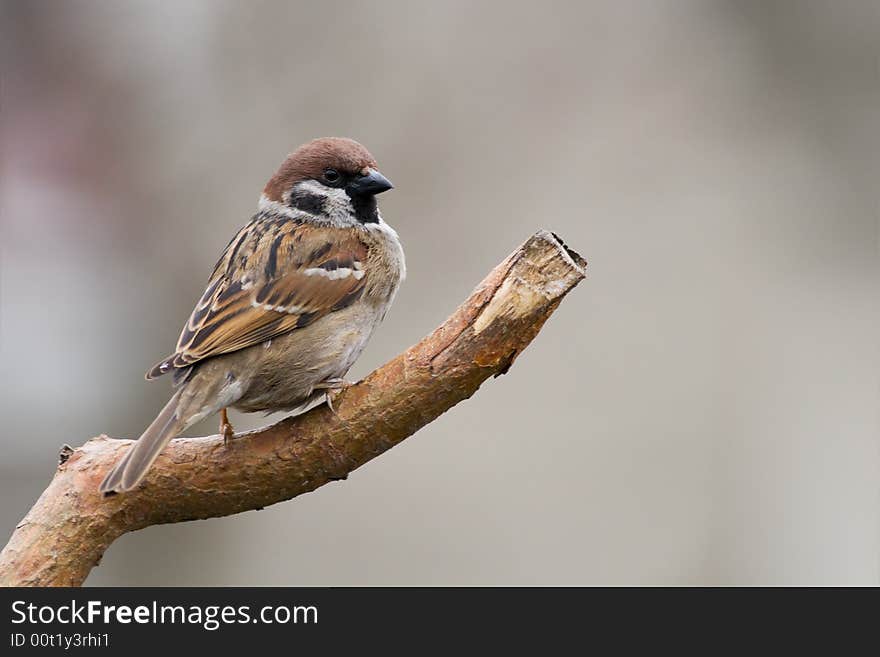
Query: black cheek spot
307, 202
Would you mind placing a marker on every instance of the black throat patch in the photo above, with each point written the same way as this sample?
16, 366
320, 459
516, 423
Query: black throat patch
366, 209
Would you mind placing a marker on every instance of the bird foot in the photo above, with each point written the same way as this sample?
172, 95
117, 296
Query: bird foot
333, 387
226, 428
228, 433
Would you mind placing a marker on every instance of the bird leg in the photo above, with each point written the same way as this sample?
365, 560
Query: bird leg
333, 387
226, 429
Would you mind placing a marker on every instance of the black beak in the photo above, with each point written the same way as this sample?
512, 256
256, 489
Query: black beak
369, 185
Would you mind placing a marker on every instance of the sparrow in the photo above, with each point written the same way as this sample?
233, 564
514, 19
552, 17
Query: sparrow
290, 304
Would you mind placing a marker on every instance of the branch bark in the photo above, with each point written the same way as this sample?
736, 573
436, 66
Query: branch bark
71, 525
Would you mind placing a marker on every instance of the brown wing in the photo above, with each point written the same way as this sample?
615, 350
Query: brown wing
275, 276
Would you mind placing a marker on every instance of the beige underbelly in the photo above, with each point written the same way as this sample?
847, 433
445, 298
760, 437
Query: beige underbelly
285, 371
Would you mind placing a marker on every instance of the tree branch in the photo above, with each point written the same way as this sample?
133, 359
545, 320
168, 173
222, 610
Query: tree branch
71, 525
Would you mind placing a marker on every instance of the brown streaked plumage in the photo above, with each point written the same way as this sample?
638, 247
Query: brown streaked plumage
290, 304
277, 296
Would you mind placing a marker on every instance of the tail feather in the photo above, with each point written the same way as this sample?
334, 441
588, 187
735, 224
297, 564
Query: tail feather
134, 465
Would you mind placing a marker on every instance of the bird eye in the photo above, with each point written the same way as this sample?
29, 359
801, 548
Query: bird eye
331, 175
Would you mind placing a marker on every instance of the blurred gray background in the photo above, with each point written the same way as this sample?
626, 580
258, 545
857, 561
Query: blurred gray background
702, 410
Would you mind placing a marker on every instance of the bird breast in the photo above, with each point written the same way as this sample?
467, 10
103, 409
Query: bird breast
386, 265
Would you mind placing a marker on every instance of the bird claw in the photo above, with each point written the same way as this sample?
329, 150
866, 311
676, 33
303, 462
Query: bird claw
328, 399
228, 433
333, 387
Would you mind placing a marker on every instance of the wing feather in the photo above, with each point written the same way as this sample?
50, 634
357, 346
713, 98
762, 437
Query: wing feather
274, 277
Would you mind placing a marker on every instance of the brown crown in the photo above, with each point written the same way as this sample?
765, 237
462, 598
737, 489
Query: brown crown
309, 161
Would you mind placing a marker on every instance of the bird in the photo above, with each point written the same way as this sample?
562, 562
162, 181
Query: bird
290, 304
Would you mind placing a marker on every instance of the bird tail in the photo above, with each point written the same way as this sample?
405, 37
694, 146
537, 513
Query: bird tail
134, 465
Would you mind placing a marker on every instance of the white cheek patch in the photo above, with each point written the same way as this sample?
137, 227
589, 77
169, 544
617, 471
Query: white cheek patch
337, 204
268, 205
313, 187
337, 207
